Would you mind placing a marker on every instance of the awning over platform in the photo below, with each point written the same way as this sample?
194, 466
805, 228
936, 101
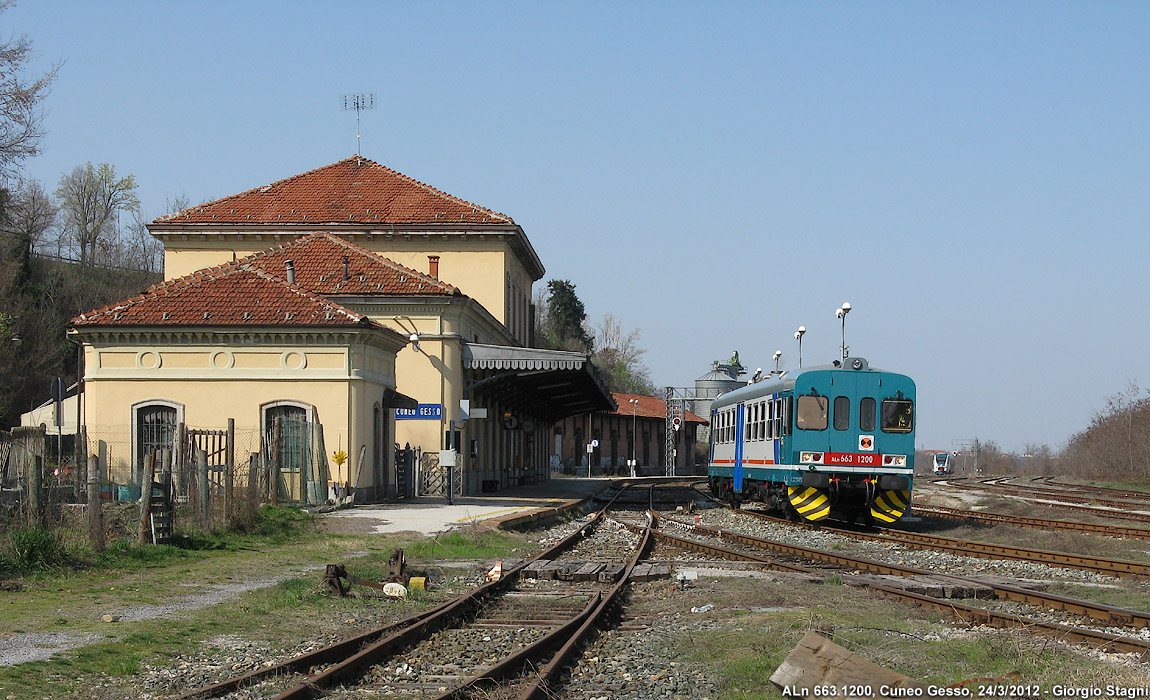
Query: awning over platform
552, 384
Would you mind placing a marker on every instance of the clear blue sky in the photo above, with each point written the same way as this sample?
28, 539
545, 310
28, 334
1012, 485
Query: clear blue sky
974, 177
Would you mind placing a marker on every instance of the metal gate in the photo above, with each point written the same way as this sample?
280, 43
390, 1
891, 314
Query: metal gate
434, 477
406, 458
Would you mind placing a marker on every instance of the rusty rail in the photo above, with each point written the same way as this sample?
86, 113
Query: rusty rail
1102, 614
1037, 523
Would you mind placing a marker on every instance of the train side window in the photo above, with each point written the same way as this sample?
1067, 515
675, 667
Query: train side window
763, 420
787, 420
866, 414
754, 421
775, 419
812, 413
897, 415
842, 412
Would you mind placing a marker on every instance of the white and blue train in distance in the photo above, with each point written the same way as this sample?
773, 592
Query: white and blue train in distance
942, 464
829, 441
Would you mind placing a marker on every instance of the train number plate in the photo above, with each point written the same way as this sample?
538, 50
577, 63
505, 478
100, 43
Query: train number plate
852, 459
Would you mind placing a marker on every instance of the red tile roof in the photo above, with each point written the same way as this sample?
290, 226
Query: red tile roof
648, 407
253, 291
234, 294
355, 190
318, 260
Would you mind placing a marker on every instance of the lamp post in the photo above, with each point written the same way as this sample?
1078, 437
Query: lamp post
634, 432
841, 313
778, 356
799, 337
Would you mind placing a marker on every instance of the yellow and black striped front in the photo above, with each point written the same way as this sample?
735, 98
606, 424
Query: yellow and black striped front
810, 503
889, 506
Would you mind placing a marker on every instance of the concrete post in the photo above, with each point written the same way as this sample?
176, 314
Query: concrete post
202, 473
95, 507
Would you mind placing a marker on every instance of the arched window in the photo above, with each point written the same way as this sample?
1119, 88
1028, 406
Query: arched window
293, 439
154, 432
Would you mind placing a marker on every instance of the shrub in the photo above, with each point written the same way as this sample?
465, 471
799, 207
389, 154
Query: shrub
31, 549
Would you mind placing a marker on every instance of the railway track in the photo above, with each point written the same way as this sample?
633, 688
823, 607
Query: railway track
804, 560
969, 548
1036, 523
496, 634
1120, 510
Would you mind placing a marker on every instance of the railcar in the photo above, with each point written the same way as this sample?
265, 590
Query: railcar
830, 441
942, 464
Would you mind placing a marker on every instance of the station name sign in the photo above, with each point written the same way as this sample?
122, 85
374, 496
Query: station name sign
426, 411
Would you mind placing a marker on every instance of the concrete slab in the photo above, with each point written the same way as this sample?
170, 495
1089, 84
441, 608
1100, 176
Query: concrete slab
434, 515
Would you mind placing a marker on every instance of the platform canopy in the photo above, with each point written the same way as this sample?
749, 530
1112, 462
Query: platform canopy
550, 384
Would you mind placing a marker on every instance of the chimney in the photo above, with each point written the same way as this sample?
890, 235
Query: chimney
433, 266
290, 266
345, 268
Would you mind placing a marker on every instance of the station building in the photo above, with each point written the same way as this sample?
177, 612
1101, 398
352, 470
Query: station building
635, 429
351, 298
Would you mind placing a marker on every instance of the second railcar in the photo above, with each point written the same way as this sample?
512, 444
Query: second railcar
942, 464
818, 442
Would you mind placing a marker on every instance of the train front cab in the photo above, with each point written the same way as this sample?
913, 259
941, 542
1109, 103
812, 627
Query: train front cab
853, 441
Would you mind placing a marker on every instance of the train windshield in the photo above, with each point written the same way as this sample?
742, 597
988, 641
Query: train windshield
812, 413
940, 459
897, 415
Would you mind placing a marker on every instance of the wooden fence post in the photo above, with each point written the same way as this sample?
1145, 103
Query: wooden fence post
274, 476
148, 477
95, 507
35, 489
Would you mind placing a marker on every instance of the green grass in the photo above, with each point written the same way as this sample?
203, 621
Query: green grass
456, 545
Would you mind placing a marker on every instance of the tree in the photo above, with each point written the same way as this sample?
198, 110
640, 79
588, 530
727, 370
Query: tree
562, 322
1116, 443
91, 198
21, 118
29, 220
617, 355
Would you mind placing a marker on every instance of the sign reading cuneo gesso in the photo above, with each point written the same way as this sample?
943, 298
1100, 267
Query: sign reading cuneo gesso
426, 411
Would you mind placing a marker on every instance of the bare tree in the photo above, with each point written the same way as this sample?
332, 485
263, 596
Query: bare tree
91, 200
618, 355
31, 216
21, 118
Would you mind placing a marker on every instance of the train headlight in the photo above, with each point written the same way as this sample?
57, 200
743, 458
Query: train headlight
810, 457
894, 460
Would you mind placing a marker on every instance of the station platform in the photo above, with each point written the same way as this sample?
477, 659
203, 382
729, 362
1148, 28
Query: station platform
509, 507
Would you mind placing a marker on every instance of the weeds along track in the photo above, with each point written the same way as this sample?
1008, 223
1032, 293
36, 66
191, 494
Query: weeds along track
521, 629
969, 548
1061, 617
978, 516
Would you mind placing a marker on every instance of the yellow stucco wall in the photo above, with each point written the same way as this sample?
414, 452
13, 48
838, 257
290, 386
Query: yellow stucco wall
209, 384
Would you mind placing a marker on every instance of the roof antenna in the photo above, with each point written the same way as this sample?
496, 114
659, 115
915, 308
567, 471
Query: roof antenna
358, 102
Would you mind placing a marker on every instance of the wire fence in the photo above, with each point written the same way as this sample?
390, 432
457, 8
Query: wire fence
176, 478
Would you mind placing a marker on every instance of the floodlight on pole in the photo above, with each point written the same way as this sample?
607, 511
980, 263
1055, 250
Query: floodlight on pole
841, 313
634, 432
799, 337
778, 356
